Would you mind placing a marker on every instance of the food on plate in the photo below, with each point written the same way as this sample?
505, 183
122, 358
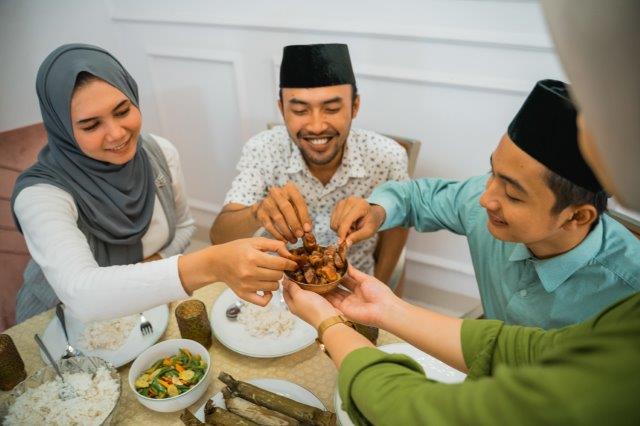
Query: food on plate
219, 416
171, 376
109, 334
318, 265
270, 320
96, 395
303, 413
255, 412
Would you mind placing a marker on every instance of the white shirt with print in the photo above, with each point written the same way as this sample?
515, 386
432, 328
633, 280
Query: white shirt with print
272, 159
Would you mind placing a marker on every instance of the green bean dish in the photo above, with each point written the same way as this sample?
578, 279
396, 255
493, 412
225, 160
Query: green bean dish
171, 376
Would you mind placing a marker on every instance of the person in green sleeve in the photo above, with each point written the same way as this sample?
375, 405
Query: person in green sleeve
543, 252
581, 374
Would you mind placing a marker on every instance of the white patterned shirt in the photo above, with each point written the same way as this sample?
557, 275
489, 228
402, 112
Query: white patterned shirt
270, 158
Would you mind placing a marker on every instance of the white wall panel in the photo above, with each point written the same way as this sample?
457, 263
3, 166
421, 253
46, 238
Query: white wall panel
200, 100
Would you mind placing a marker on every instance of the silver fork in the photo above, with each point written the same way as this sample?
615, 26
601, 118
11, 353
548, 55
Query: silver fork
70, 351
145, 326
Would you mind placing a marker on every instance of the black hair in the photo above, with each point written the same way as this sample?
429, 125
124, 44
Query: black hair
354, 93
83, 78
568, 194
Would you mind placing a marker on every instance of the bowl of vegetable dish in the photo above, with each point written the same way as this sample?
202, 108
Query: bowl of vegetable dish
170, 375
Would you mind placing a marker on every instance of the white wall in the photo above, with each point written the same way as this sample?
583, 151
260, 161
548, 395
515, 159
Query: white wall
449, 73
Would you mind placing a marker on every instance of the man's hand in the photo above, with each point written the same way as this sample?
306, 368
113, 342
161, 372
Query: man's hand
354, 219
309, 306
368, 300
283, 213
246, 267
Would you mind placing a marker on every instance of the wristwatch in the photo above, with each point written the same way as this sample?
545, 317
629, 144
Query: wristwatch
331, 321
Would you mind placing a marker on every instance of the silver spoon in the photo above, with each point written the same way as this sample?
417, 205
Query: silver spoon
66, 391
70, 351
233, 310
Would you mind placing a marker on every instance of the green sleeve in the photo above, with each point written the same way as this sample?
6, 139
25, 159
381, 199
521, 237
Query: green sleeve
518, 375
489, 343
430, 204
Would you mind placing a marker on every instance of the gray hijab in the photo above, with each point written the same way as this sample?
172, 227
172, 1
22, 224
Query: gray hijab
115, 202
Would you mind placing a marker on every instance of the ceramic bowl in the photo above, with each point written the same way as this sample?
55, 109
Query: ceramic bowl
162, 350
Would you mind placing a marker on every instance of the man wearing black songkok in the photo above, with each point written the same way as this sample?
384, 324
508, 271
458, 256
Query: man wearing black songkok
291, 177
544, 252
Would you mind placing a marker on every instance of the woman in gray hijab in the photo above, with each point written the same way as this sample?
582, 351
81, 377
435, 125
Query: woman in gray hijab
103, 199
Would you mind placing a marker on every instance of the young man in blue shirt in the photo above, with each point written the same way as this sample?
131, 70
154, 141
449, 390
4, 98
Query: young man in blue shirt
544, 252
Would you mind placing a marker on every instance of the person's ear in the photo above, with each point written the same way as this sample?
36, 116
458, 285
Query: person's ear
583, 215
281, 107
355, 107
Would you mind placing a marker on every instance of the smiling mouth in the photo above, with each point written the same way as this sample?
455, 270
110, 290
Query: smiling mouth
118, 147
317, 141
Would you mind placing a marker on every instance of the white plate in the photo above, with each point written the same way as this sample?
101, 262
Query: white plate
232, 334
281, 387
435, 369
133, 346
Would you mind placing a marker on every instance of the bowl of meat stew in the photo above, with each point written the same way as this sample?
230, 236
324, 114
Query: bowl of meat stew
320, 268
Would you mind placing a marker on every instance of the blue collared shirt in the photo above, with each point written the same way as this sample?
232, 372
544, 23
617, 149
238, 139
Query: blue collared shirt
515, 286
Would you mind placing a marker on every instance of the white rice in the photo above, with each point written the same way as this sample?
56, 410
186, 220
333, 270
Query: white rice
109, 334
270, 320
42, 405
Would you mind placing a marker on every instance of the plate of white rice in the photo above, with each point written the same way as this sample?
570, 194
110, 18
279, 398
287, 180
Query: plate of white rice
117, 340
36, 400
260, 332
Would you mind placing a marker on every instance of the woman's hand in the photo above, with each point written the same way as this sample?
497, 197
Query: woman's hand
244, 265
309, 306
369, 300
354, 219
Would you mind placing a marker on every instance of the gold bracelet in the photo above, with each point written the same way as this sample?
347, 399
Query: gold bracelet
338, 319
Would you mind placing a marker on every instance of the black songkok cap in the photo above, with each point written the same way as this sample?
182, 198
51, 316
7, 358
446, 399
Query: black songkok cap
316, 65
545, 128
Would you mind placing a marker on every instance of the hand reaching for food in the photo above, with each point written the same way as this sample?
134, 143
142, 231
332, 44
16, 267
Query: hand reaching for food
354, 219
283, 213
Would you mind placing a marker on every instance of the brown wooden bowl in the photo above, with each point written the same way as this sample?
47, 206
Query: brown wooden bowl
321, 288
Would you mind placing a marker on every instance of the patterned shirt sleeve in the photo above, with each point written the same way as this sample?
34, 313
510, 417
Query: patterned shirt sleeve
250, 185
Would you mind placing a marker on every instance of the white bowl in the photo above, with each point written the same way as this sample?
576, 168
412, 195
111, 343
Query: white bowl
162, 350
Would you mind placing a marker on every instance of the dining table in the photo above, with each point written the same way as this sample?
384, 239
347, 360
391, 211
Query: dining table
310, 367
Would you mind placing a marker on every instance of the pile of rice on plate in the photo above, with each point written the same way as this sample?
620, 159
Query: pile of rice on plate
42, 405
108, 334
270, 320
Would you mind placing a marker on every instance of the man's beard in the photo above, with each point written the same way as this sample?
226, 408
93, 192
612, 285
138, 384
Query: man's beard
310, 158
